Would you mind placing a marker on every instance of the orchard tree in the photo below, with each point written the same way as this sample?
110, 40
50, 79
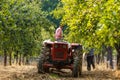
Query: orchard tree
5, 21
21, 24
92, 22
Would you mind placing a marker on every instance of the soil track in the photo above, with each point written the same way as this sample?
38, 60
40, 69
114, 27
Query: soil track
30, 73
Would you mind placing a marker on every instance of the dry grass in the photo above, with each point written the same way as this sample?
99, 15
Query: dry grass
30, 73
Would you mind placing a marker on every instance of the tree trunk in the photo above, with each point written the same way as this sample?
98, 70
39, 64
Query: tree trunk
110, 56
5, 57
118, 61
20, 59
23, 59
103, 53
117, 46
10, 58
98, 58
17, 57
27, 60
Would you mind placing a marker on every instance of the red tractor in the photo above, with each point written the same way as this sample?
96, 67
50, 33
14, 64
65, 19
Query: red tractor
61, 55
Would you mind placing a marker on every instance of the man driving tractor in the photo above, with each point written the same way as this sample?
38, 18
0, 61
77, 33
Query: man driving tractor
59, 33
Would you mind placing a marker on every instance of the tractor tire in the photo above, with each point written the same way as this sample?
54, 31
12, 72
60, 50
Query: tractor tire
43, 58
76, 68
77, 63
40, 64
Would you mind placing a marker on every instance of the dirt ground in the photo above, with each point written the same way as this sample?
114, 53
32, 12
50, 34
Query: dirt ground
29, 72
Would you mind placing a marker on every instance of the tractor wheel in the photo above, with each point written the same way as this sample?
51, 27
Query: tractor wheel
76, 68
40, 64
43, 58
77, 63
40, 67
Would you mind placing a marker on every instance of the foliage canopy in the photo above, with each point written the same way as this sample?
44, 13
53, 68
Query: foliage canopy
91, 22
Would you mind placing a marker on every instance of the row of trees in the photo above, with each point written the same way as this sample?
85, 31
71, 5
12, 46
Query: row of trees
23, 26
93, 23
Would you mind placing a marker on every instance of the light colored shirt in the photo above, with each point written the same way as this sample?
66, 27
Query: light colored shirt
58, 33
